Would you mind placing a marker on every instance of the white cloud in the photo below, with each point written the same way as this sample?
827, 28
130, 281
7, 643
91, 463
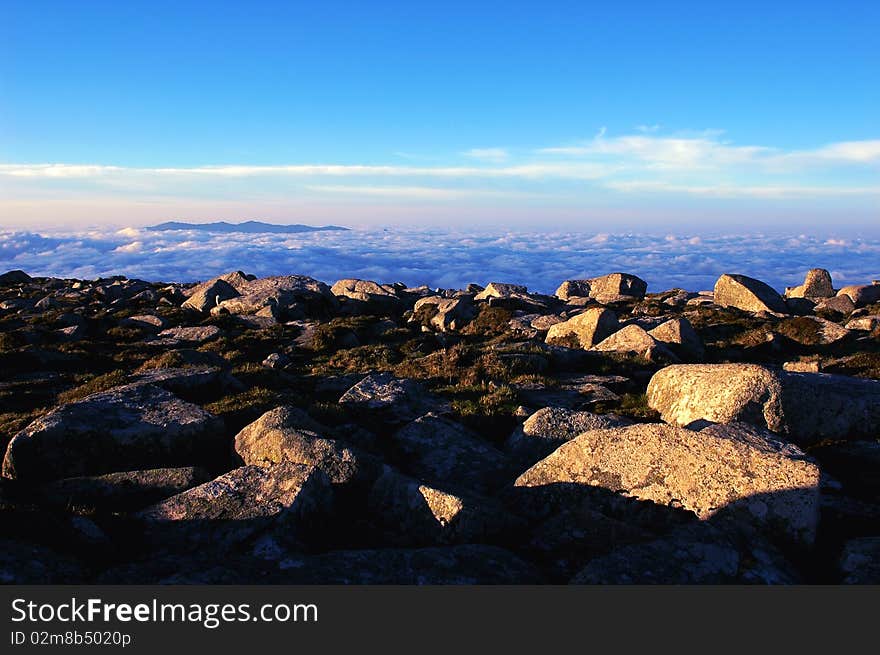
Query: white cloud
434, 193
730, 191
446, 258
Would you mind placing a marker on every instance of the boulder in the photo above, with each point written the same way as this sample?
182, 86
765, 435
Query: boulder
291, 498
393, 399
12, 278
679, 335
417, 514
447, 455
634, 339
817, 284
510, 296
573, 289
747, 294
124, 491
550, 427
584, 330
734, 468
617, 287
126, 428
287, 434
805, 407
444, 314
811, 331
283, 297
144, 322
366, 295
195, 334
862, 295
208, 295
864, 323
836, 305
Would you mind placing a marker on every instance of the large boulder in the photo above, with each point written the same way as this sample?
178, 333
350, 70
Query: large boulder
283, 297
573, 289
131, 427
444, 314
634, 339
124, 491
747, 294
393, 399
817, 284
679, 336
445, 454
805, 407
210, 294
550, 427
737, 469
418, 514
286, 434
366, 295
584, 330
861, 295
289, 497
617, 287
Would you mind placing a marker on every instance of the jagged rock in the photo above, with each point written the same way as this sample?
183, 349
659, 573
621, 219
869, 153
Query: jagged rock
126, 428
616, 287
679, 335
417, 514
817, 284
864, 323
550, 427
862, 295
195, 334
124, 491
585, 330
446, 565
210, 294
283, 297
747, 294
287, 434
144, 321
860, 561
365, 295
805, 407
393, 398
634, 339
838, 305
11, 278
770, 482
233, 507
445, 314
445, 454
572, 289
510, 296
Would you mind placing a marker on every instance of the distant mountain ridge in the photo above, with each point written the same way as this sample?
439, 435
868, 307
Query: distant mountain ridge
250, 227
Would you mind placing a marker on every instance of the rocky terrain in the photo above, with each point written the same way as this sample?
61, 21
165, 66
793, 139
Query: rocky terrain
280, 430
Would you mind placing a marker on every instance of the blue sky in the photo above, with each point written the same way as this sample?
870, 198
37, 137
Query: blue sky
638, 114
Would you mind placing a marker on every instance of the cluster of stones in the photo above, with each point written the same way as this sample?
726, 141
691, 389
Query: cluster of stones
729, 485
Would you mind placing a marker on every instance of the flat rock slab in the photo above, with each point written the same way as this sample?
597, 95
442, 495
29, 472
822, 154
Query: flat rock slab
805, 407
770, 482
397, 399
127, 428
196, 334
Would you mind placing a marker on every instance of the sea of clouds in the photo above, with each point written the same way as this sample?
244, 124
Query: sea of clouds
441, 258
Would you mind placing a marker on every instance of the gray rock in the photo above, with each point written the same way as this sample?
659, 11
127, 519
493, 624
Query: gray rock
838, 304
447, 455
862, 295
284, 297
747, 294
210, 294
679, 335
616, 287
368, 296
864, 323
634, 339
573, 289
144, 321
805, 407
446, 314
817, 284
392, 398
736, 469
196, 334
287, 434
126, 428
124, 491
586, 329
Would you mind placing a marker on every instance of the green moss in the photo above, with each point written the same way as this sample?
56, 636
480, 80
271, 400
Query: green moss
95, 384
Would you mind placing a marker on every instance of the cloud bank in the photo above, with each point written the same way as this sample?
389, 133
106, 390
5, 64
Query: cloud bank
442, 257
